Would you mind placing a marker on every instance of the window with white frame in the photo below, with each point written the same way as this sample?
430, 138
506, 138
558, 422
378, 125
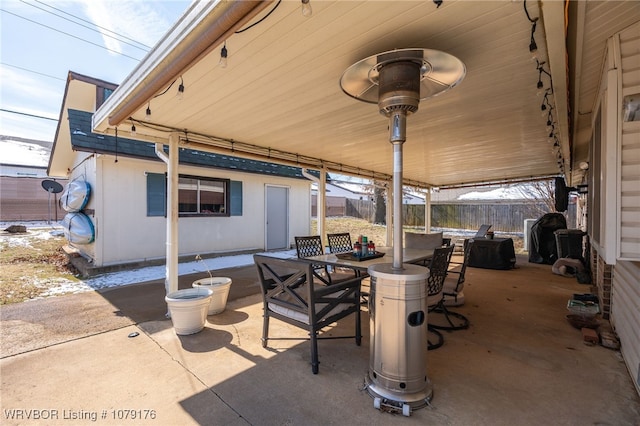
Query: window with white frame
197, 196
203, 196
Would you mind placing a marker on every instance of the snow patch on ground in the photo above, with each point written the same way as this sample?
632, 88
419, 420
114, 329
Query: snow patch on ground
115, 279
59, 286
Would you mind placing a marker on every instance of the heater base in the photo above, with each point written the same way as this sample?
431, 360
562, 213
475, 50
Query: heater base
405, 403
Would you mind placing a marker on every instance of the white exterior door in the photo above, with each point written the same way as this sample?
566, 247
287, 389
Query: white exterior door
277, 217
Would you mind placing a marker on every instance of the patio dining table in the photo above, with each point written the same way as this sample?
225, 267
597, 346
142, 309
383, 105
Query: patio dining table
414, 256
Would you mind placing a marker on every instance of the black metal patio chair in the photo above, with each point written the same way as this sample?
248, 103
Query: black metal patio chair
309, 246
291, 293
340, 242
435, 288
452, 296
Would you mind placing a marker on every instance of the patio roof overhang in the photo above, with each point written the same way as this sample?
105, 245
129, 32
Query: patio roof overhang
279, 99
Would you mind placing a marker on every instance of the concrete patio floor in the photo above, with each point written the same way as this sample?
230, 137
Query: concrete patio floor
69, 360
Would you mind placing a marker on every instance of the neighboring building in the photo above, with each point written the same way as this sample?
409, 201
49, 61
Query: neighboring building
335, 199
23, 169
337, 195
227, 204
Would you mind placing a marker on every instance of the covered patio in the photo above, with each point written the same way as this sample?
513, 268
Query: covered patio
259, 80
520, 362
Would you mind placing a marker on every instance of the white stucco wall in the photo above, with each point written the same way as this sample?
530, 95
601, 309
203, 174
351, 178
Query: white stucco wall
126, 234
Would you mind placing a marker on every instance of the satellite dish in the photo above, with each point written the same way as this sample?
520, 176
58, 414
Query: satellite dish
52, 186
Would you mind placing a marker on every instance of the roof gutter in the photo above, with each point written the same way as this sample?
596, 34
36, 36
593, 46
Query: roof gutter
203, 27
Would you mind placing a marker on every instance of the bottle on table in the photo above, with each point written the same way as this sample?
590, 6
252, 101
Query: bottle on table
371, 248
357, 249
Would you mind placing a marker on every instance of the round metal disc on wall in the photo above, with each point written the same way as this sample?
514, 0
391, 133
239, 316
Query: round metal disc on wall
51, 186
439, 72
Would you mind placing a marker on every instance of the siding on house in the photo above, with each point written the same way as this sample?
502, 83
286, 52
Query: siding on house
124, 232
625, 273
629, 164
625, 314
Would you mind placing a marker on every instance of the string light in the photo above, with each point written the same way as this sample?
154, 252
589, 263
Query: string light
133, 130
546, 106
223, 56
533, 47
181, 90
148, 113
116, 145
545, 101
532, 44
550, 118
540, 84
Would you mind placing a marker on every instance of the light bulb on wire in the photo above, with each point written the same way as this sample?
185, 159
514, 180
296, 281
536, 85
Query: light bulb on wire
181, 90
306, 8
223, 56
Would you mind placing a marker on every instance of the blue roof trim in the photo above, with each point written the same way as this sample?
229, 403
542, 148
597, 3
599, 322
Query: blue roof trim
83, 139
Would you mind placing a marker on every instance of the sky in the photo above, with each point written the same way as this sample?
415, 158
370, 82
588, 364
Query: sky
42, 40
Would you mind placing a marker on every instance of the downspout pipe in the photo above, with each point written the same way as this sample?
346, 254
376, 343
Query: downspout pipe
321, 184
171, 160
427, 211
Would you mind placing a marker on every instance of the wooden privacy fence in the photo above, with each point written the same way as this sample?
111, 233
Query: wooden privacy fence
504, 216
24, 199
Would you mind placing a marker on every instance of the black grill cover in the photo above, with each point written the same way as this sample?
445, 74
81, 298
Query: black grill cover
542, 241
497, 253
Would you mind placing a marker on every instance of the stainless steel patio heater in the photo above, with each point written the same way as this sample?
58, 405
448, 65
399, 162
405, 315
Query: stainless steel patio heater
397, 81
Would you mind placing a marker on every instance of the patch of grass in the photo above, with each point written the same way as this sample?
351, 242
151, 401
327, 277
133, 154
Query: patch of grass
355, 226
30, 265
378, 233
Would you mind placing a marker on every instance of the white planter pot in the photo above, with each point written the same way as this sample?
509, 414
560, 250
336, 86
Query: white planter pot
188, 309
220, 287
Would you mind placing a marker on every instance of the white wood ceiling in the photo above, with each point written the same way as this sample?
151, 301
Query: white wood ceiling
281, 89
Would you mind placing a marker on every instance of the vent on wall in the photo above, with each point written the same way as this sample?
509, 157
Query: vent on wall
631, 107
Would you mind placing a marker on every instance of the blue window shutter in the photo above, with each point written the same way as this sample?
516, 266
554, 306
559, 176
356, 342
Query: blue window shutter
156, 194
236, 198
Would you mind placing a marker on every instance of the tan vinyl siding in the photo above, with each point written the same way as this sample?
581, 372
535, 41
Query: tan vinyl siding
625, 314
629, 40
625, 283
